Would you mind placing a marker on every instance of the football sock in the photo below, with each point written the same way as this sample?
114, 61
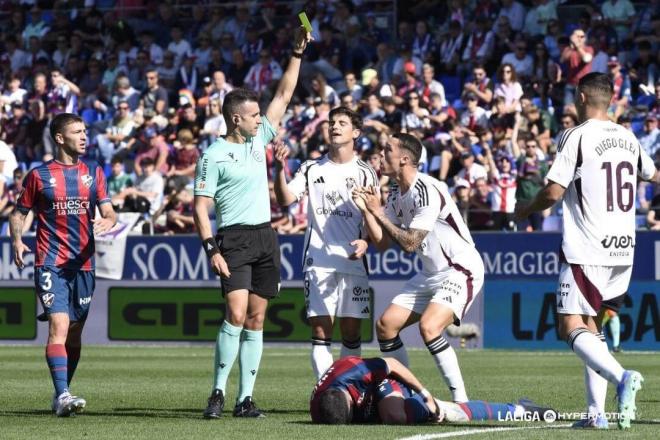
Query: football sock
615, 328
595, 354
596, 387
73, 356
321, 356
394, 348
251, 348
482, 410
351, 348
445, 359
226, 350
56, 359
416, 409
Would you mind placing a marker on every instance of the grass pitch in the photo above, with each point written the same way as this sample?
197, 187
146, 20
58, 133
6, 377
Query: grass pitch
160, 393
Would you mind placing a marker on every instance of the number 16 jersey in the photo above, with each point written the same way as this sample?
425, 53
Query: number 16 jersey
598, 163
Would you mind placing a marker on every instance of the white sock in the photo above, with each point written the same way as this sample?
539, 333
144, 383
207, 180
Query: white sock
447, 362
394, 348
596, 386
321, 356
351, 348
595, 354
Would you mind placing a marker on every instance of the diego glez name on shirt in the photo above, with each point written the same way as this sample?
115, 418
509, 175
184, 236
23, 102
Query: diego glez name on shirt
609, 143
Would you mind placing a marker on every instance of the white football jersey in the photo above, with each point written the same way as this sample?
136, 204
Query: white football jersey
427, 205
334, 221
598, 163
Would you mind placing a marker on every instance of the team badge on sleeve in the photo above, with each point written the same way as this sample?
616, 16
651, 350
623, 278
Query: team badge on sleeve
48, 299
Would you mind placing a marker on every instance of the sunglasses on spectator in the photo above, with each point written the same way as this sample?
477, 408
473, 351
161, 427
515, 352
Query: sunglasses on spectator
151, 76
413, 97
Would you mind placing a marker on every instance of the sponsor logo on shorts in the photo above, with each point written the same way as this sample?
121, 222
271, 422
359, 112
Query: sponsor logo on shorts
47, 299
360, 294
365, 310
85, 301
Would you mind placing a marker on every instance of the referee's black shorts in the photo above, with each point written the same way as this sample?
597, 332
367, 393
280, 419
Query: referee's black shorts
252, 254
615, 303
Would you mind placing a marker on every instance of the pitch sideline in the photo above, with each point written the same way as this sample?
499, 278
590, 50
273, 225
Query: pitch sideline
478, 431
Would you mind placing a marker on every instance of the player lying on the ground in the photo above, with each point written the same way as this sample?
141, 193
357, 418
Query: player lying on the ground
383, 390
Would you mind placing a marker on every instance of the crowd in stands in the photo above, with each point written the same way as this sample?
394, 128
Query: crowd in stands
487, 85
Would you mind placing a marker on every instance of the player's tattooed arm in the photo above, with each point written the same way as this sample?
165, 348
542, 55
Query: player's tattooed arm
16, 221
408, 239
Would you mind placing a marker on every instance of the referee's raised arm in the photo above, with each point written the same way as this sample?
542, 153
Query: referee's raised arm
289, 80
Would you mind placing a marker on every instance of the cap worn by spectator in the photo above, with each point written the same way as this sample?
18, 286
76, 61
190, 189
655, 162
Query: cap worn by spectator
466, 154
206, 81
471, 97
368, 75
461, 183
410, 68
149, 113
613, 61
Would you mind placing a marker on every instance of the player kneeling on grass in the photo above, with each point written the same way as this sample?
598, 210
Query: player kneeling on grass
383, 390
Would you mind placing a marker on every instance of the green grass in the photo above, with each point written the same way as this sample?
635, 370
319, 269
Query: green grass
160, 392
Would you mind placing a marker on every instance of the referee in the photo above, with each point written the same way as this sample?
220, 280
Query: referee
231, 174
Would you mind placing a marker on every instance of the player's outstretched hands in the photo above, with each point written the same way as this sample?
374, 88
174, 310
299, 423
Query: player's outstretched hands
219, 266
281, 153
360, 249
102, 225
19, 249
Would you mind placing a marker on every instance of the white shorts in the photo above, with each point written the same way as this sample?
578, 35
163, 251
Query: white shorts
337, 294
582, 288
452, 288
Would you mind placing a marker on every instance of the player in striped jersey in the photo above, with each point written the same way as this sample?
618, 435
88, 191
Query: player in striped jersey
64, 194
335, 270
420, 216
382, 390
595, 172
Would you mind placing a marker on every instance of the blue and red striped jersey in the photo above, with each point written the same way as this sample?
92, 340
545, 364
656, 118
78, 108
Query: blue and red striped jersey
360, 377
64, 200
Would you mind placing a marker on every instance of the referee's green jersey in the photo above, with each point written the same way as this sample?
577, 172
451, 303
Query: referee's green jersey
235, 176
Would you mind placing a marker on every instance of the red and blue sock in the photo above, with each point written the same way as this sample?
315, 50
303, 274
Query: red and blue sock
57, 362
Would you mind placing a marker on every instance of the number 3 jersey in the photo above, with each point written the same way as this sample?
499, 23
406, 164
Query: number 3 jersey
64, 199
334, 219
598, 163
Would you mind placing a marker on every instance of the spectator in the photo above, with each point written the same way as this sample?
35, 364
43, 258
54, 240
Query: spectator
167, 71
531, 178
116, 135
13, 94
473, 116
544, 70
254, 45
188, 77
202, 54
479, 45
514, 12
416, 117
154, 97
578, 57
18, 59
653, 216
8, 164
147, 195
503, 182
424, 44
215, 125
149, 144
620, 14
470, 169
149, 46
179, 46
118, 180
36, 28
509, 88
430, 86
262, 74
621, 85
321, 89
352, 86
650, 138
479, 209
451, 48
183, 159
522, 62
480, 85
